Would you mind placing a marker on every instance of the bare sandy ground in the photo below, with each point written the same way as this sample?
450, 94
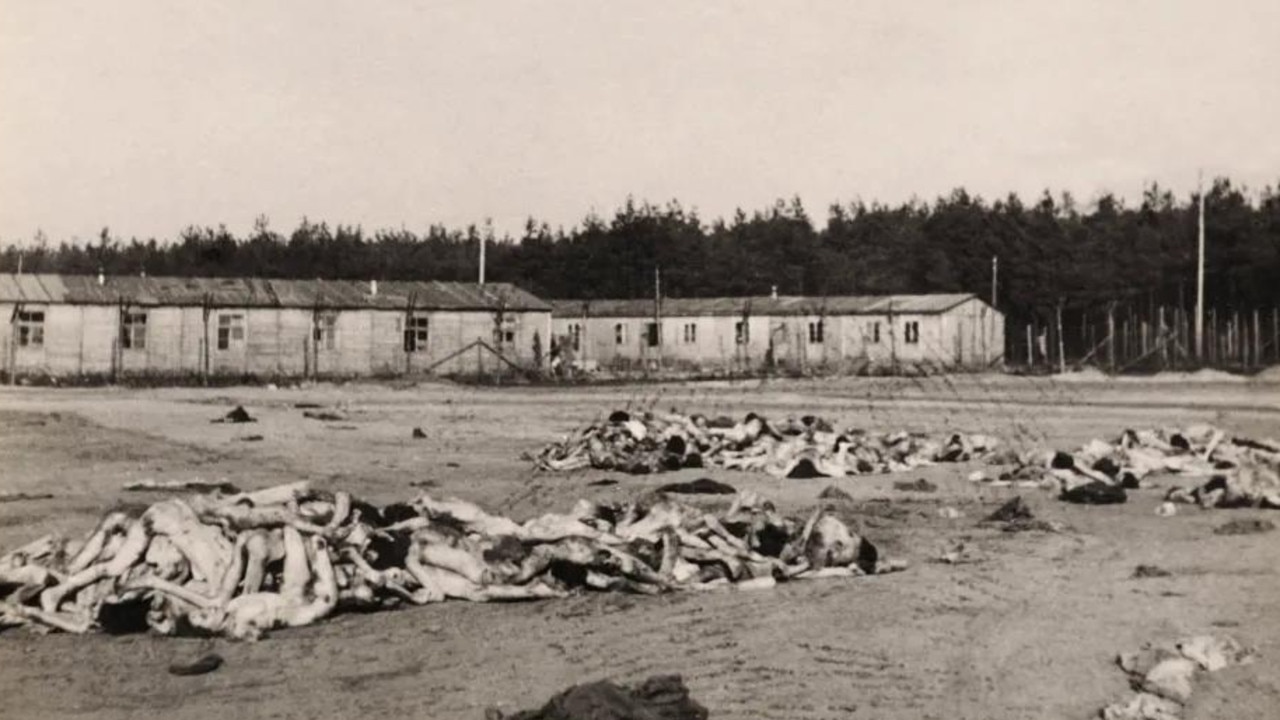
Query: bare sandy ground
1030, 630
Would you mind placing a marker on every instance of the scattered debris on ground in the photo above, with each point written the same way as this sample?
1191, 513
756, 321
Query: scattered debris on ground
807, 447
203, 486
1150, 571
701, 486
1095, 493
242, 564
238, 415
1033, 525
959, 554
307, 406
1245, 527
1014, 509
919, 485
8, 497
662, 697
250, 438
419, 434
949, 513
831, 492
1163, 675
325, 415
604, 482
1015, 516
202, 666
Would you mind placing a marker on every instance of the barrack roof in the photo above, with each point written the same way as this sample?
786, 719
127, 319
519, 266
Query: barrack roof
259, 292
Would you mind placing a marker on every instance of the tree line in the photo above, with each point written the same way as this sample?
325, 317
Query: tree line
1052, 252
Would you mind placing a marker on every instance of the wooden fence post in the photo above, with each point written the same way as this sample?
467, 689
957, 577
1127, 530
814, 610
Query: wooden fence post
1030, 349
1062, 358
1124, 341
1162, 338
1257, 339
1212, 345
1111, 337
204, 343
1235, 335
1275, 331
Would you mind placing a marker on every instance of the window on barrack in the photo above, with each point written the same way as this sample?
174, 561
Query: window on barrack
30, 328
230, 330
690, 333
133, 331
416, 333
326, 331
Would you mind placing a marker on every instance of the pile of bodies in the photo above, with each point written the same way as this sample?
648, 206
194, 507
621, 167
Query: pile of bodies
798, 448
240, 565
1240, 472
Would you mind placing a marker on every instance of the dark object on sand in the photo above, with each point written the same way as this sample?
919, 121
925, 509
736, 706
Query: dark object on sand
701, 486
204, 665
831, 492
1029, 525
805, 470
1150, 571
250, 438
324, 415
920, 485
19, 497
619, 416
1095, 493
418, 434
1015, 509
238, 415
662, 697
1252, 526
307, 406
602, 483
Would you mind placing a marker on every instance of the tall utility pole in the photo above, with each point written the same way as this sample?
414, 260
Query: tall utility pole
995, 275
1200, 274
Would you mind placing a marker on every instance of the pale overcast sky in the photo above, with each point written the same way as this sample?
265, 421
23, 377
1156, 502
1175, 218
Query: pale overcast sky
150, 116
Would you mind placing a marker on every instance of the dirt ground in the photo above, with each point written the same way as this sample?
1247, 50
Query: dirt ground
1029, 630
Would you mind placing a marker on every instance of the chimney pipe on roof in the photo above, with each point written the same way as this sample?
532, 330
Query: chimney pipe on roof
773, 293
373, 287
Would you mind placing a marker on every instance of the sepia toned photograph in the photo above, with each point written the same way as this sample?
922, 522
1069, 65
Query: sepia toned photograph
630, 360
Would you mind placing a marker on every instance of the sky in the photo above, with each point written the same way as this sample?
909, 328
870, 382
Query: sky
150, 116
